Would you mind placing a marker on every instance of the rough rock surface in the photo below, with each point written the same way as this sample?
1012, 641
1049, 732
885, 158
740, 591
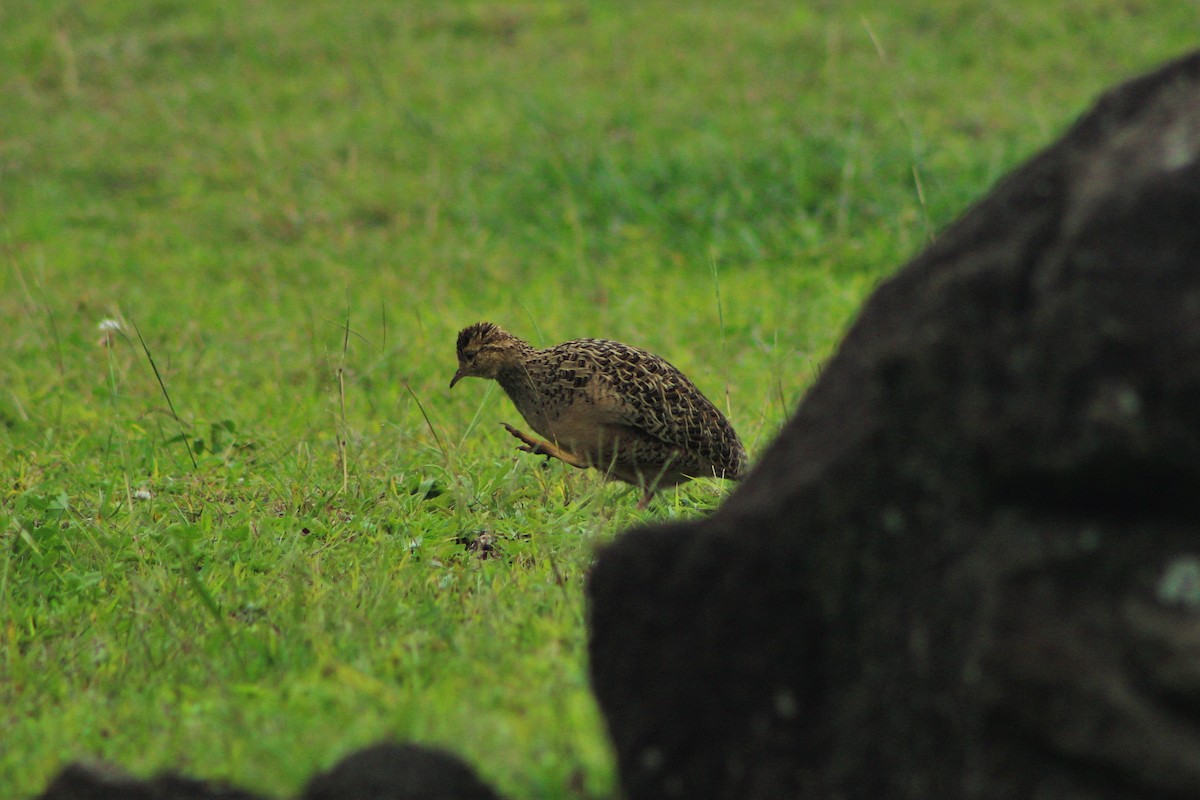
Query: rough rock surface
970, 565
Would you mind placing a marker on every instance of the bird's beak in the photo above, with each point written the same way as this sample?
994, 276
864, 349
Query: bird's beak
458, 376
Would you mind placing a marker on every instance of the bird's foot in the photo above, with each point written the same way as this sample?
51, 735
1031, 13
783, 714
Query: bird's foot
543, 448
535, 446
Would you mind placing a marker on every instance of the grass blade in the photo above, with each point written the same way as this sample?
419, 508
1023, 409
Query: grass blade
162, 385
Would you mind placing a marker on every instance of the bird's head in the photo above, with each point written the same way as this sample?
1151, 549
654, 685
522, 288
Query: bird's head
484, 349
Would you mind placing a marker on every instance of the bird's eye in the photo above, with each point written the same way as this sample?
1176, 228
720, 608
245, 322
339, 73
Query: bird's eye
471, 355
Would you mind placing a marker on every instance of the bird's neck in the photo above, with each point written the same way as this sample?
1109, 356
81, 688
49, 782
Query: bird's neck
519, 381
517, 384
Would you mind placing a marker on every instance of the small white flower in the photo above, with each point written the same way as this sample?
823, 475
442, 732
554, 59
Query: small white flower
109, 328
143, 494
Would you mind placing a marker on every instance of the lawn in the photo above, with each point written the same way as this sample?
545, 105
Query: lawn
245, 525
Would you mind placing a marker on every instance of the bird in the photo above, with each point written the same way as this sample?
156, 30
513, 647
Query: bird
606, 405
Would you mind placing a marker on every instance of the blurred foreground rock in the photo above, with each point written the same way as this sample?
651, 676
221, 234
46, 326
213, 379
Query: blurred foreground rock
398, 772
383, 771
104, 782
970, 565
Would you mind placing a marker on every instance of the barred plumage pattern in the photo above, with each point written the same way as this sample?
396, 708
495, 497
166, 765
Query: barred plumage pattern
608, 405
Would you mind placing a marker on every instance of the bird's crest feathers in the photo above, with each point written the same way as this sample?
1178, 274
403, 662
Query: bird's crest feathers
479, 333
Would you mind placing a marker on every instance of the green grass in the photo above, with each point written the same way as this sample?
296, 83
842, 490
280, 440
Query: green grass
298, 204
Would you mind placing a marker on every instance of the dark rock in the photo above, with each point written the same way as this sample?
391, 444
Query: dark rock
970, 565
104, 782
384, 771
399, 772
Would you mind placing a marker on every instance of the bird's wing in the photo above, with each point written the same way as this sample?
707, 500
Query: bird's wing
636, 389
654, 401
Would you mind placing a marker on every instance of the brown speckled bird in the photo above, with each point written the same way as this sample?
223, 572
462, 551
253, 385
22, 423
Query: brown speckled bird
606, 405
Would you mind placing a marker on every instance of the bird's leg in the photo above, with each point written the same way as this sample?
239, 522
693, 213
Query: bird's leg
540, 447
650, 487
